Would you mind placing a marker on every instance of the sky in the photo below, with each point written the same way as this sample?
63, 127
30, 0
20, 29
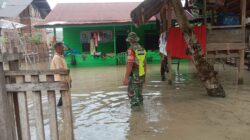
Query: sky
52, 3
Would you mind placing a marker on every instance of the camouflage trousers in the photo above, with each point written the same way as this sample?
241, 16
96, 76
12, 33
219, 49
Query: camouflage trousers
135, 87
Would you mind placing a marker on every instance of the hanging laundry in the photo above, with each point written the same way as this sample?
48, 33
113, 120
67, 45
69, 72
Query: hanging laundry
163, 43
177, 45
96, 39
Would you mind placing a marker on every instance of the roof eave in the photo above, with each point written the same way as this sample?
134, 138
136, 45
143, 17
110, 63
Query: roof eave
82, 24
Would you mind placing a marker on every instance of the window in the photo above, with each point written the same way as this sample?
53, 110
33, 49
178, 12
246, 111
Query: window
100, 36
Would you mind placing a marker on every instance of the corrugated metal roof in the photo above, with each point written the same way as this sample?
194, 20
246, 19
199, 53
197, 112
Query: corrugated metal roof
89, 13
6, 24
12, 8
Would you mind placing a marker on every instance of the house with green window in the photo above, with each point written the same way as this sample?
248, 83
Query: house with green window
95, 33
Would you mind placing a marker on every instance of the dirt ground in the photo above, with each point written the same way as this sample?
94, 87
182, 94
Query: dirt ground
181, 111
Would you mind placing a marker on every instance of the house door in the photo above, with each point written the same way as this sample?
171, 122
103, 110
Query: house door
121, 44
151, 40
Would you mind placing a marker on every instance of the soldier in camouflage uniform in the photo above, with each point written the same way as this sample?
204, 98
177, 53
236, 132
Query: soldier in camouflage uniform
136, 69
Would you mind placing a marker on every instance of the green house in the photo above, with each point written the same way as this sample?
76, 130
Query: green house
108, 25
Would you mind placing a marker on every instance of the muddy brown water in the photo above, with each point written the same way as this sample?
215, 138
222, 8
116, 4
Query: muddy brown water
181, 111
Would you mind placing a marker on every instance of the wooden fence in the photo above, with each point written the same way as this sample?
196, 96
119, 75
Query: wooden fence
16, 86
30, 80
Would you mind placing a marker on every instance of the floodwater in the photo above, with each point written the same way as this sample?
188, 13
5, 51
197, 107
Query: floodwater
181, 111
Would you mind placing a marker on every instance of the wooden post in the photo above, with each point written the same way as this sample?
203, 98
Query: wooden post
14, 65
23, 111
54, 37
243, 24
67, 114
12, 112
52, 111
205, 11
5, 122
169, 19
205, 70
37, 101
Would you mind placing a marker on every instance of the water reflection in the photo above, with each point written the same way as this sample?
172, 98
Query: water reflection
101, 108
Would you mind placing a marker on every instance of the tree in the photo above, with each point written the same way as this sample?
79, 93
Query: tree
205, 70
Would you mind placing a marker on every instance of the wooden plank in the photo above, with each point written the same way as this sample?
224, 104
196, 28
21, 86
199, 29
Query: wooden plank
225, 27
52, 111
22, 87
243, 19
223, 56
12, 116
36, 72
243, 5
241, 67
225, 36
169, 18
169, 68
5, 116
12, 111
10, 57
225, 46
164, 19
14, 65
67, 115
37, 101
205, 11
23, 110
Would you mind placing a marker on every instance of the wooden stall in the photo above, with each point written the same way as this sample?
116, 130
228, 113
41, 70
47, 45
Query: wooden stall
223, 42
227, 41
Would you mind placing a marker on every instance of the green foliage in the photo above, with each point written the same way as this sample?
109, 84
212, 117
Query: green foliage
3, 39
36, 39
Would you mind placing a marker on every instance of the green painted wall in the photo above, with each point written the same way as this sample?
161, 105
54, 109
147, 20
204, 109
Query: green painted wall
71, 38
71, 35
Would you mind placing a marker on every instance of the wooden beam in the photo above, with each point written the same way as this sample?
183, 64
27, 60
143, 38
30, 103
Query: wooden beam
10, 57
169, 19
227, 26
218, 55
241, 68
225, 46
23, 87
243, 4
243, 14
5, 122
36, 72
205, 11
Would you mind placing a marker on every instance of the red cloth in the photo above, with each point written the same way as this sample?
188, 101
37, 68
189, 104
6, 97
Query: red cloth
176, 45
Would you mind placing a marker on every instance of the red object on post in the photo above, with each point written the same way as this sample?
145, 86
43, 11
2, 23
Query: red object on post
177, 45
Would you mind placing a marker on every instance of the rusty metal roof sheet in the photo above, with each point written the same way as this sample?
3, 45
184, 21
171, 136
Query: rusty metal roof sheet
89, 13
